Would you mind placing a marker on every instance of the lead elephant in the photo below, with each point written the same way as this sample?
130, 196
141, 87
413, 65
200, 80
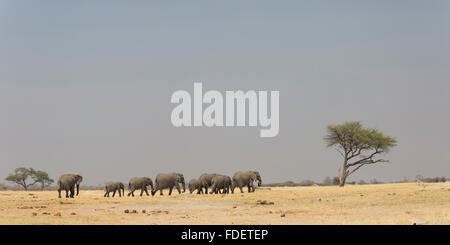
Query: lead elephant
241, 179
114, 187
68, 182
141, 183
169, 180
221, 182
206, 180
195, 184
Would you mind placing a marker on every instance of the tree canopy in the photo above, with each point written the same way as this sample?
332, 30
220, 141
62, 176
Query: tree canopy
42, 178
358, 146
21, 176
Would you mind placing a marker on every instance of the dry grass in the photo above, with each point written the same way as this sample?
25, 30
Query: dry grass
368, 204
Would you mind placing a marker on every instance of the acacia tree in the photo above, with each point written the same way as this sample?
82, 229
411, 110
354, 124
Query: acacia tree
20, 177
358, 146
22, 174
42, 178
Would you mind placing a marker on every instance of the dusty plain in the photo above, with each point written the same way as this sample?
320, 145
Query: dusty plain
405, 203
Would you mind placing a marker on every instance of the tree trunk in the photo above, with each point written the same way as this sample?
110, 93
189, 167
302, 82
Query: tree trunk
343, 174
342, 179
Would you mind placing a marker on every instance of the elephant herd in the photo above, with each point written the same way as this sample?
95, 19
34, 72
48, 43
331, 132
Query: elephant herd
217, 183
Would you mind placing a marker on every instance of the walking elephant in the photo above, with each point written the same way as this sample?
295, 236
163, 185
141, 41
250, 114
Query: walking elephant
241, 179
195, 184
114, 187
169, 180
141, 183
182, 181
221, 182
206, 180
68, 182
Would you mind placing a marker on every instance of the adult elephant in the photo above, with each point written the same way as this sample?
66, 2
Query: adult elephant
241, 179
221, 182
114, 187
206, 180
169, 180
141, 183
68, 182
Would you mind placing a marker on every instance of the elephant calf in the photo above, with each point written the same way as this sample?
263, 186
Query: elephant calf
195, 184
221, 182
113, 187
140, 183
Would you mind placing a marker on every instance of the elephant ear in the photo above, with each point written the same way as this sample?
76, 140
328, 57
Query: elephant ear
79, 178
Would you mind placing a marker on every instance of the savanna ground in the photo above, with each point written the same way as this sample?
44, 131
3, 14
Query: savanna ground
404, 203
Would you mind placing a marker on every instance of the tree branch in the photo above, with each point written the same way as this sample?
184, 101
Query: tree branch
377, 151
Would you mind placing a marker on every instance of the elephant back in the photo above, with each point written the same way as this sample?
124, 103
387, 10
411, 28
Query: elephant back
66, 180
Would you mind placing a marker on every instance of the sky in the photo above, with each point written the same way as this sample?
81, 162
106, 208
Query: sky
85, 86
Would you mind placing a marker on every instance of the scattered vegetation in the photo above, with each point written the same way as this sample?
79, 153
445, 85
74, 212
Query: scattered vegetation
328, 181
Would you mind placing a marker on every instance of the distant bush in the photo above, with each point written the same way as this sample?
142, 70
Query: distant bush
433, 180
375, 181
336, 180
362, 182
306, 183
327, 181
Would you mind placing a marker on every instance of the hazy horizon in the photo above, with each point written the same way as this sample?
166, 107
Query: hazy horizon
85, 86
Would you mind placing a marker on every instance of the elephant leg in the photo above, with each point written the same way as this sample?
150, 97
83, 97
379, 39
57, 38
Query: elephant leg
170, 190
252, 187
67, 193
146, 190
240, 188
178, 189
206, 189
142, 191
114, 193
131, 193
59, 192
72, 192
160, 191
154, 190
120, 194
105, 194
